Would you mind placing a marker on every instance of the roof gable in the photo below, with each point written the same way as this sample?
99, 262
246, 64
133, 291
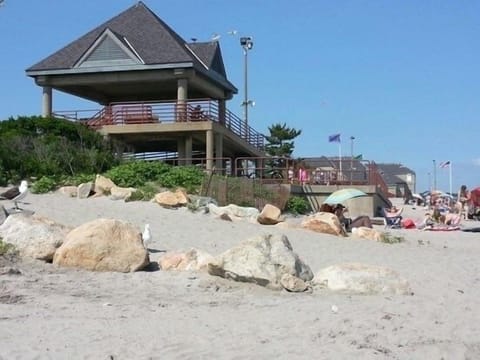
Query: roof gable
154, 41
109, 49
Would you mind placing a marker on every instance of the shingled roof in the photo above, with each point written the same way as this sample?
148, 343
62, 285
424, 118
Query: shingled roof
151, 38
391, 172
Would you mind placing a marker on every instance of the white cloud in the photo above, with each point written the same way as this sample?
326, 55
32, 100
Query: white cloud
476, 162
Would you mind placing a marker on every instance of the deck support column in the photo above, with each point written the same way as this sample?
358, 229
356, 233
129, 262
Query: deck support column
46, 101
184, 148
222, 111
188, 149
209, 149
182, 94
219, 161
181, 151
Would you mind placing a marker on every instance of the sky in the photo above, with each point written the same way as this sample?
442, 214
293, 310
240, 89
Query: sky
402, 77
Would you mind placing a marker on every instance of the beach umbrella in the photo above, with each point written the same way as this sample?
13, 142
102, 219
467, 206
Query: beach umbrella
339, 196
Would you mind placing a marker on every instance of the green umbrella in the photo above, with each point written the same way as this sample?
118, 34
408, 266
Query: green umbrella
342, 195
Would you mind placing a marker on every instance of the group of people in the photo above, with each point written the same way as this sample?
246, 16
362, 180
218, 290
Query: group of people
447, 211
316, 176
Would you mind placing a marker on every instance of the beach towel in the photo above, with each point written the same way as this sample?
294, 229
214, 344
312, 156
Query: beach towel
442, 228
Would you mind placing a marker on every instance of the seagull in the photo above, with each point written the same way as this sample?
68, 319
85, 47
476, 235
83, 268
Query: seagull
146, 236
16, 193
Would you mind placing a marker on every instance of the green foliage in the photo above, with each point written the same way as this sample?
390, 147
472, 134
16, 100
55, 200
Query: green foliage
388, 238
188, 177
297, 205
44, 185
3, 176
280, 141
137, 173
36, 147
76, 180
144, 193
6, 248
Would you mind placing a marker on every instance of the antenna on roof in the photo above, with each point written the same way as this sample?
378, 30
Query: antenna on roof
194, 39
215, 37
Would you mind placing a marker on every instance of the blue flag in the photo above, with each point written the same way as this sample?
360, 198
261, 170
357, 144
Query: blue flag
334, 138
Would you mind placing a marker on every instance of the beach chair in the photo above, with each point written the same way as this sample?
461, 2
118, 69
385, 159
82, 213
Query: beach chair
392, 218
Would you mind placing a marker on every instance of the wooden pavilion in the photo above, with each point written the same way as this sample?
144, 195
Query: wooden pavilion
158, 93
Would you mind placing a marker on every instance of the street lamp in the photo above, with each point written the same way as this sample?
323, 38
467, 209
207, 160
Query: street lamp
247, 44
352, 138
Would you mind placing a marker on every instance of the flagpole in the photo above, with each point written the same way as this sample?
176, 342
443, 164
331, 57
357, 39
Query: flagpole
450, 177
340, 158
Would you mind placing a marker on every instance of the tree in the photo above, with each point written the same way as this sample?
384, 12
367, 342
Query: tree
280, 146
280, 141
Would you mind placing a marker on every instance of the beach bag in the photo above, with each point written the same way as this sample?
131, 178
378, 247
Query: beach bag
408, 224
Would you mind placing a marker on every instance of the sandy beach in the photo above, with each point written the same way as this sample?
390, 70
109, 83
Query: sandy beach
48, 312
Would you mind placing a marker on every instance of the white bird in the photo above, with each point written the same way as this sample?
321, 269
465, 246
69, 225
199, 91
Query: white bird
146, 236
16, 193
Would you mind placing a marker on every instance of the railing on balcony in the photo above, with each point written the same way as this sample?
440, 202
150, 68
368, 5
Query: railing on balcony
127, 113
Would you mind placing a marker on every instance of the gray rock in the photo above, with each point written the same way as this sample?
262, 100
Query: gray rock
363, 279
33, 236
83, 190
262, 260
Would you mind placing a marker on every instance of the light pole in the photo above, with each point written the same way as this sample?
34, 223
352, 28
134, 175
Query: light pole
352, 138
247, 44
434, 175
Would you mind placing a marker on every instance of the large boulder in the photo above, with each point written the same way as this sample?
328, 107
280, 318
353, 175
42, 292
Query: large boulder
103, 245
172, 199
121, 193
324, 222
235, 212
33, 236
270, 215
103, 184
192, 260
70, 191
362, 279
262, 260
84, 190
3, 214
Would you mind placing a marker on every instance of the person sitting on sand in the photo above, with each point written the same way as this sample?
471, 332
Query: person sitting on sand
348, 223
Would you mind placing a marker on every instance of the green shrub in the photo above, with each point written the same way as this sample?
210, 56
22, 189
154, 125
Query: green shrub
137, 173
75, 180
44, 185
388, 238
188, 177
297, 205
36, 147
144, 193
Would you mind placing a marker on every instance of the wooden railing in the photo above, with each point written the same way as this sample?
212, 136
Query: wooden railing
127, 113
